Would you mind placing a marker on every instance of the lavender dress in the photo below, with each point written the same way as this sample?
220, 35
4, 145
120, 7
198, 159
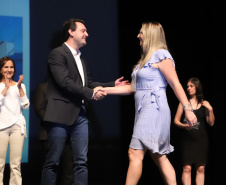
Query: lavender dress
152, 120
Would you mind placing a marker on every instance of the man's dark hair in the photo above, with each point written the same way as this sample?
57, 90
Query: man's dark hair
70, 24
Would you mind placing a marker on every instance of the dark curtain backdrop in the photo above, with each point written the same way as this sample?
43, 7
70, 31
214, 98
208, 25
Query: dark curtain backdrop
195, 36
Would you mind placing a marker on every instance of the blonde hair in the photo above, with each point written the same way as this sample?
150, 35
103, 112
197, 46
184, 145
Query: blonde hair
153, 39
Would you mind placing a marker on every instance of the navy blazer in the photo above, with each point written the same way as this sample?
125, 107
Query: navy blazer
65, 90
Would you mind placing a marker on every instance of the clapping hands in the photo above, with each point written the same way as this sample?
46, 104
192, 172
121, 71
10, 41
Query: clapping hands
7, 81
21, 77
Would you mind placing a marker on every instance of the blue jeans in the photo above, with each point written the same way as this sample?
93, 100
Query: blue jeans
57, 135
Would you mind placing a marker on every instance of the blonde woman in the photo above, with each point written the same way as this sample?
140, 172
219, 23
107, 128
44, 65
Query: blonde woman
194, 138
12, 123
152, 121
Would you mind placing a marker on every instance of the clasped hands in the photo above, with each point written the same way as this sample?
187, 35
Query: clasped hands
190, 125
191, 120
99, 93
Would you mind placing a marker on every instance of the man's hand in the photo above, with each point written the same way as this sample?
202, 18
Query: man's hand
119, 82
99, 93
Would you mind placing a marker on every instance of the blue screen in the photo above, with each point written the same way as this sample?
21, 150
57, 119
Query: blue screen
14, 42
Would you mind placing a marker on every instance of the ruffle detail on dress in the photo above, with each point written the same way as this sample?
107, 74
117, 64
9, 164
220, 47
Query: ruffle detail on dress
158, 56
163, 149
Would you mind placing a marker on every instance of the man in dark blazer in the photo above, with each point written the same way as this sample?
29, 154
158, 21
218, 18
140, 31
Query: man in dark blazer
70, 87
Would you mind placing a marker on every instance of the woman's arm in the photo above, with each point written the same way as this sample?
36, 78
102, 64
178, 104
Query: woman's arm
177, 117
7, 85
119, 90
24, 101
4, 90
22, 90
210, 118
168, 70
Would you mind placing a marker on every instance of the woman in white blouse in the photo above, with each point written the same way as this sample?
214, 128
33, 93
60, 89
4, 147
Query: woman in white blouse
12, 123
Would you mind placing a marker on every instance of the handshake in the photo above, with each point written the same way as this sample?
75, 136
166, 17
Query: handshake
99, 93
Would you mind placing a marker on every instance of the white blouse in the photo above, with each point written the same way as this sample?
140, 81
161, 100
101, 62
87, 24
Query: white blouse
11, 107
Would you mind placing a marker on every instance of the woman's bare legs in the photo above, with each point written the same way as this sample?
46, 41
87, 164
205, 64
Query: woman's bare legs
165, 167
200, 174
135, 166
186, 175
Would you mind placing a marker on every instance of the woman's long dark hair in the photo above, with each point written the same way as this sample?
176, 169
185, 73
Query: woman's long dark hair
199, 91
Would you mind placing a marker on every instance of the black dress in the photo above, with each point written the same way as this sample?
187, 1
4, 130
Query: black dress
195, 141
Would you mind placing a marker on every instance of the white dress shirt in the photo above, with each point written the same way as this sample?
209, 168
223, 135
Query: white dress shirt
77, 58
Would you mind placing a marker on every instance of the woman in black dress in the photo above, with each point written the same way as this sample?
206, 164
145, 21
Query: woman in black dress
194, 137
